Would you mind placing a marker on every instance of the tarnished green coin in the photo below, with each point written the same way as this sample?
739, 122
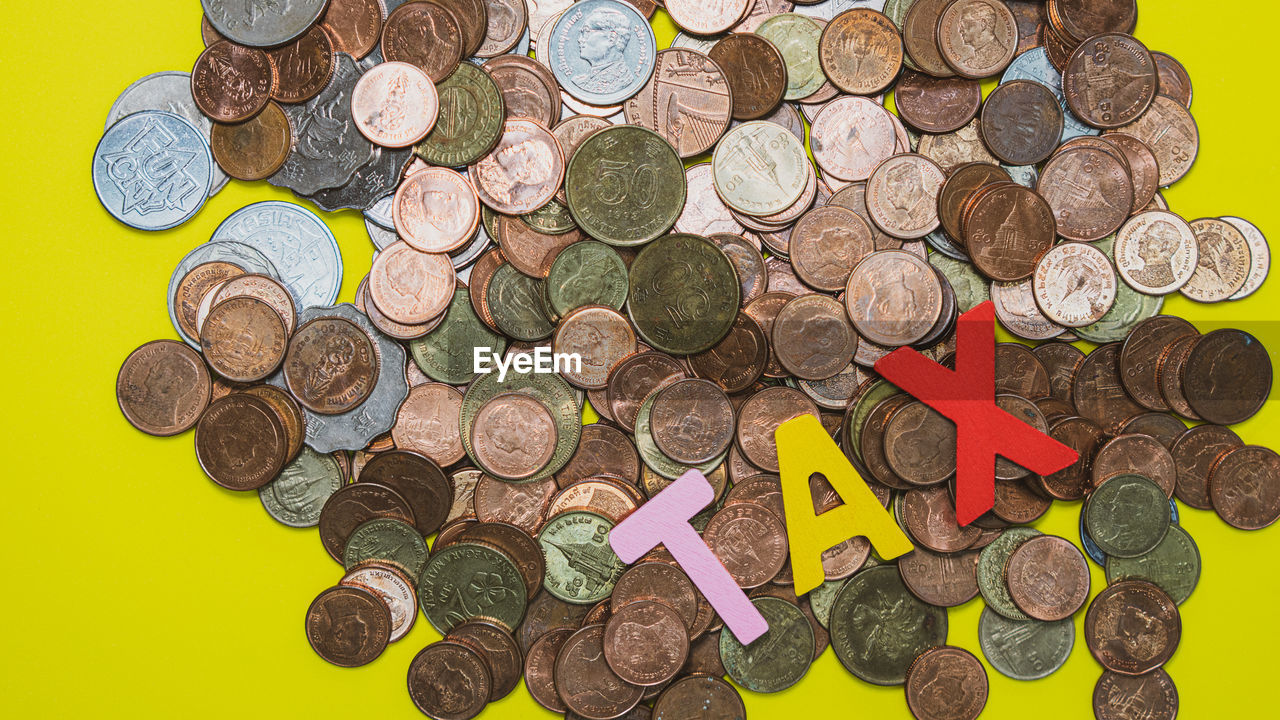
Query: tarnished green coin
515, 301
547, 388
991, 562
586, 273
878, 627
1174, 565
684, 294
466, 581
447, 354
776, 660
625, 185
1127, 516
796, 37
550, 219
297, 494
470, 120
971, 288
654, 457
1025, 649
822, 598
581, 565
390, 541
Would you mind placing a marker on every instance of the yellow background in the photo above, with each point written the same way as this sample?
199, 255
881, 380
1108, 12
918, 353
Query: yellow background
136, 587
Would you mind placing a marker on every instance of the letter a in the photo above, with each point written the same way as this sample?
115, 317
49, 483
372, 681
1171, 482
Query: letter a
805, 448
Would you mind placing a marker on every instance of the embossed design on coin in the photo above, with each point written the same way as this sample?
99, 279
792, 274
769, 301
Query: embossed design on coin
1074, 284
163, 387
394, 104
602, 51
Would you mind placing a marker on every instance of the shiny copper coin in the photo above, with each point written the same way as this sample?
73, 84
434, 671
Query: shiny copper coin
508, 21
435, 211
1170, 132
601, 336
1110, 80
1142, 167
192, 289
394, 104
692, 421
410, 286
826, 244
523, 505
1244, 487
902, 195
478, 287
750, 541
1172, 78
473, 18
1132, 627
254, 149
498, 649
1141, 352
936, 105
977, 38
529, 90
813, 338
241, 442
418, 480
331, 366
1195, 453
1090, 191
950, 667
353, 505
1048, 578
870, 445
528, 250
514, 436
761, 415
1135, 454
1019, 504
304, 67
920, 37
232, 83
633, 379
1061, 361
354, 26
539, 667
602, 450
605, 496
645, 643
348, 626
1115, 696
243, 339
1084, 436
662, 582
389, 327
764, 310
264, 288
163, 387
424, 34
929, 515
961, 182
1019, 372
941, 579
287, 411
755, 71
1007, 232
738, 360
1169, 375
688, 101
893, 298
589, 687
920, 444
448, 680
702, 694
521, 173
860, 51
850, 136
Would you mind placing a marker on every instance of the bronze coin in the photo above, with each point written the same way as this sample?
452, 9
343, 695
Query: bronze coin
1080, 19
389, 327
254, 149
241, 442
825, 245
1054, 409
764, 310
854, 197
920, 445
1244, 487
304, 67
700, 695
1227, 376
1099, 393
353, 505
692, 421
539, 667
448, 680
545, 614
750, 541
515, 544
520, 174
354, 26
813, 338
1019, 372
738, 360
1018, 503
977, 38
1195, 453
941, 579
602, 450
1048, 578
1061, 361
1110, 80
645, 643
1132, 627
1141, 352
1115, 696
963, 181
1172, 78
1170, 132
1090, 191
860, 51
1010, 228
634, 378
243, 339
755, 71
418, 480
1169, 375
1084, 436
523, 505
936, 105
688, 101
473, 20
1143, 167
1022, 122
193, 287
288, 412
761, 415
589, 687
871, 443
514, 436
499, 651
1031, 18
952, 667
920, 37
1163, 427
163, 387
424, 34
704, 659
660, 582
1026, 411
529, 90
478, 287
348, 626
331, 366
929, 515
209, 34
232, 83
529, 251
427, 423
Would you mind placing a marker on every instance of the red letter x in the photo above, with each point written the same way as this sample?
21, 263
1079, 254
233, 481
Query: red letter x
967, 396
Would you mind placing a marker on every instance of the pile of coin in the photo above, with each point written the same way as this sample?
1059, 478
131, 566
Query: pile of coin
695, 309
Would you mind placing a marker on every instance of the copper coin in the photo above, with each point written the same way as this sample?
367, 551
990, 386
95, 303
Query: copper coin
936, 105
1017, 503
354, 26
688, 101
600, 336
539, 667
1079, 19
602, 450
738, 360
254, 149
750, 541
902, 195
1172, 78
941, 579
1084, 436
860, 51
1011, 227
331, 366
1090, 192
761, 415
1030, 16
825, 245
950, 667
762, 490
241, 442
929, 515
589, 687
287, 411
231, 83
1141, 352
1142, 167
498, 649
514, 436
764, 310
871, 442
545, 614
348, 626
427, 423
529, 251
1115, 696
425, 34
1019, 372
163, 387
1099, 393
1022, 122
963, 181
418, 480
645, 643
1132, 627
449, 680
1244, 487
1061, 361
1169, 375
755, 71
1110, 80
1195, 453
692, 421
192, 289
1163, 427
352, 506
529, 90
304, 67
243, 339
813, 338
208, 33
1048, 578
508, 20
660, 582
703, 694
605, 496
473, 20
1227, 376
633, 379
435, 211
394, 104
523, 505
920, 444
410, 286
481, 275
522, 172
920, 37
1170, 132
894, 298
1026, 411
264, 288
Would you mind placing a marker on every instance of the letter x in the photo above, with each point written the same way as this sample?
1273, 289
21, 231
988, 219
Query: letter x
966, 396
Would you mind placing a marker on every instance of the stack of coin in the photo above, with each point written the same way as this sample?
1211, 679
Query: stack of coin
540, 207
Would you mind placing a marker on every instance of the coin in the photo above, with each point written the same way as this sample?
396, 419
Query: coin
1135, 454
940, 665
919, 27
669, 310
529, 90
602, 52
331, 366
1223, 261
232, 83
354, 26
459, 694
427, 36
1227, 376
303, 67
1022, 122
760, 168
850, 136
1074, 284
776, 660
977, 38
902, 195
1127, 516
1109, 627
1110, 80
515, 302
243, 339
262, 27
1156, 252
179, 173
936, 105
645, 643
393, 587
1008, 230
797, 38
255, 149
697, 692
388, 541
163, 388
348, 626
1024, 649
625, 185
467, 581
1170, 132
687, 101
860, 50
1048, 578
1195, 453
589, 687
522, 172
1089, 190
1116, 693
813, 337
1259, 256
756, 73
296, 496
291, 236
893, 298
871, 599
761, 415
941, 579
395, 104
692, 421
1242, 487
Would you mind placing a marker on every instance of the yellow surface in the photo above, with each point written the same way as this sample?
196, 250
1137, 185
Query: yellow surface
137, 588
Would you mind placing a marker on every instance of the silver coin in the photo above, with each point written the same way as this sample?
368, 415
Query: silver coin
354, 429
1155, 252
828, 9
1025, 649
601, 51
1260, 256
263, 23
370, 183
786, 115
380, 212
380, 236
760, 168
153, 170
694, 42
238, 254
170, 91
1074, 284
296, 241
1016, 309
466, 255
298, 493
1024, 175
1034, 65
327, 147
